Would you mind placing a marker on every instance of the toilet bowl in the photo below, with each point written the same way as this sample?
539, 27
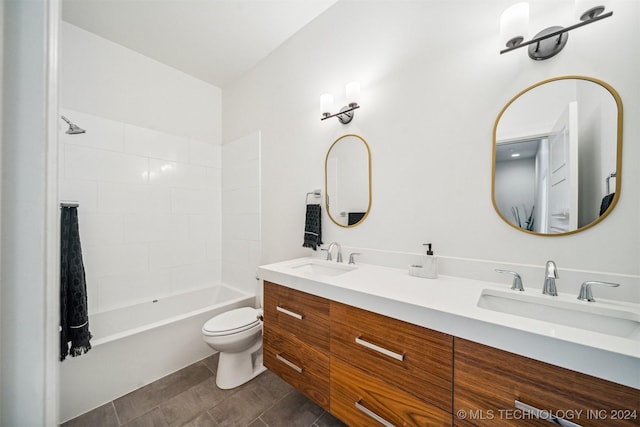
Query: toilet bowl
237, 335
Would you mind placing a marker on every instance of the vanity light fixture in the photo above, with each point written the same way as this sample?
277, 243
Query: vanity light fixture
550, 41
345, 115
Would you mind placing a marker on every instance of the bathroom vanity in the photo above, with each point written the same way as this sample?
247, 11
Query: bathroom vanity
374, 345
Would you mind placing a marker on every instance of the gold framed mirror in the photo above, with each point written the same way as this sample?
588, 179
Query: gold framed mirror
347, 180
557, 156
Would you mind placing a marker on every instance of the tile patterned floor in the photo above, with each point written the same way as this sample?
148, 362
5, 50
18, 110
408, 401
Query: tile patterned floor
190, 398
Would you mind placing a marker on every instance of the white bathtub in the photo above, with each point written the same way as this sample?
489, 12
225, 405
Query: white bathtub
136, 345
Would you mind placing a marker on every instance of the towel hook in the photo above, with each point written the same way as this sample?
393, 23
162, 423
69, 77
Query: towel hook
315, 193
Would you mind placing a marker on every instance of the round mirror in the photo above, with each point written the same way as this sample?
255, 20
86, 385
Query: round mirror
557, 156
347, 179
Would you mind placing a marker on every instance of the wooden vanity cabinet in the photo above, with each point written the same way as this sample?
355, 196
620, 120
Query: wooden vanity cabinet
360, 398
412, 358
362, 367
488, 381
313, 344
298, 313
296, 340
383, 367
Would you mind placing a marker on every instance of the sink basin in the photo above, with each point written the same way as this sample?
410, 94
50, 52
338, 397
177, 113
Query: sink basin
603, 318
318, 267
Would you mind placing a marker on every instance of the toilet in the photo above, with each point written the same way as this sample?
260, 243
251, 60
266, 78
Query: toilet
237, 335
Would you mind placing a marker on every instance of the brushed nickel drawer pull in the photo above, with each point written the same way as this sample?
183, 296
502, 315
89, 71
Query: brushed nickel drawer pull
290, 313
373, 415
289, 364
379, 349
544, 415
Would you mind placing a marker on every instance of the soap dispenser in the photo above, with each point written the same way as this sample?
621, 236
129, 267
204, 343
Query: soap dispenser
430, 263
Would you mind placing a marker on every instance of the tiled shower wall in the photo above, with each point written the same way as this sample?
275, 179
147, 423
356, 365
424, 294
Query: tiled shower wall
150, 209
241, 238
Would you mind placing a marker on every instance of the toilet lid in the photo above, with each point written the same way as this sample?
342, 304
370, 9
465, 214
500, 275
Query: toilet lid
232, 321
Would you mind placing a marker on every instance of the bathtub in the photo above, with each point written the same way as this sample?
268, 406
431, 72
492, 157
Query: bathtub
135, 345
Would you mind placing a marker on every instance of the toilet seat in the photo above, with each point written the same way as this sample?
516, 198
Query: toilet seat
232, 322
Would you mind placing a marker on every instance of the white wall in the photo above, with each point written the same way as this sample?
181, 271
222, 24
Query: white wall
103, 78
433, 84
150, 214
28, 354
241, 212
515, 187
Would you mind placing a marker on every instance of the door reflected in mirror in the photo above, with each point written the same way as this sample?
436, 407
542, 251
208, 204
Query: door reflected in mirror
557, 155
347, 175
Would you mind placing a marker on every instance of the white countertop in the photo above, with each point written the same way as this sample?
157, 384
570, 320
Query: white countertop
449, 304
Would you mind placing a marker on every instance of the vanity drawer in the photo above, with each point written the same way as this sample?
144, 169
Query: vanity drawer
488, 381
357, 398
302, 366
301, 314
415, 359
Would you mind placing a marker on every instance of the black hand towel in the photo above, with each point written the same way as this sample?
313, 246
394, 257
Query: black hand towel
606, 202
74, 318
313, 227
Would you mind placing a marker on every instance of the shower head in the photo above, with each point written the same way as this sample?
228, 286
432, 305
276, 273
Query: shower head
73, 129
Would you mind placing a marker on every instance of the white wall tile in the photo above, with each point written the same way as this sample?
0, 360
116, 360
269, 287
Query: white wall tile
249, 227
236, 251
155, 144
153, 227
241, 211
150, 221
125, 198
207, 227
241, 201
129, 288
166, 254
235, 176
194, 276
100, 133
204, 154
193, 201
176, 175
101, 229
213, 179
213, 253
104, 260
83, 192
106, 166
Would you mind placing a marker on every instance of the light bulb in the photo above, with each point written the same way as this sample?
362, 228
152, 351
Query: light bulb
514, 24
326, 104
353, 94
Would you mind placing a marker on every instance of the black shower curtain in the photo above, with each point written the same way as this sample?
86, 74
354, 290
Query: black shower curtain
74, 318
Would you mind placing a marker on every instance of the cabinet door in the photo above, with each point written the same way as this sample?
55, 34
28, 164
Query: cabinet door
415, 359
301, 314
360, 399
488, 382
301, 365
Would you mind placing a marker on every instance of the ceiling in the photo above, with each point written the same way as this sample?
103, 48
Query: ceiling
215, 41
527, 149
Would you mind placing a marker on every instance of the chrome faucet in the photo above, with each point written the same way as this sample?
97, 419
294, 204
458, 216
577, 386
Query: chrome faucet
549, 287
517, 280
330, 248
352, 257
585, 289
